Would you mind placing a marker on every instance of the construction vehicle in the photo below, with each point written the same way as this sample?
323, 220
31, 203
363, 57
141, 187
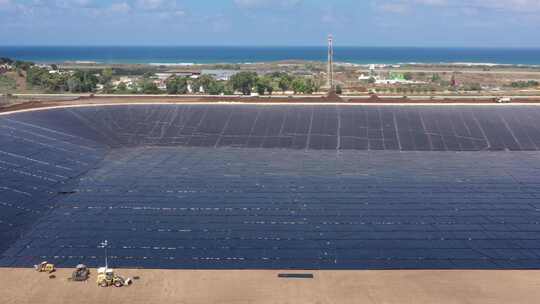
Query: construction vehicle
107, 277
45, 267
80, 274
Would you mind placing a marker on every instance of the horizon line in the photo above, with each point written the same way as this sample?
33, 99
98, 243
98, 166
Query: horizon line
268, 46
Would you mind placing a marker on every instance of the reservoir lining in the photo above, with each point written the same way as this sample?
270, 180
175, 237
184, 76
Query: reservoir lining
225, 187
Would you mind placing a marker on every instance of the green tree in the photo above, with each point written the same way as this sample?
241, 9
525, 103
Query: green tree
310, 86
216, 88
318, 83
55, 82
408, 76
263, 85
23, 65
209, 85
339, 90
270, 88
36, 76
106, 76
149, 87
260, 87
206, 81
298, 85
80, 81
88, 80
182, 85
195, 86
524, 84
122, 88
285, 82
244, 82
177, 85
228, 89
172, 87
135, 88
74, 85
108, 88
148, 75
277, 75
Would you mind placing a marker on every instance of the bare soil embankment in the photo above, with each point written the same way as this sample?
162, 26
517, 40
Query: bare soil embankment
44, 101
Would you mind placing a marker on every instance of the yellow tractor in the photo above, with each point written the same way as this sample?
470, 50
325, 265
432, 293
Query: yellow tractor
45, 267
106, 277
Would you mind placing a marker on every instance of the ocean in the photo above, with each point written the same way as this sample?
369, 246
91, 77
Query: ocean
220, 54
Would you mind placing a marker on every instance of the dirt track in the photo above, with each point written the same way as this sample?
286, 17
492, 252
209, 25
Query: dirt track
60, 100
205, 287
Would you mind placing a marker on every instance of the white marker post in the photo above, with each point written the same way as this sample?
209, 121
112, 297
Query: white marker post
104, 245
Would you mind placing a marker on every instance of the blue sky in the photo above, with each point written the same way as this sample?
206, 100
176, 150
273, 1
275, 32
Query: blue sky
474, 23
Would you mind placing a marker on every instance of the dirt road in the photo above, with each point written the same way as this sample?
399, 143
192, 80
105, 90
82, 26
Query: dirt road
29, 101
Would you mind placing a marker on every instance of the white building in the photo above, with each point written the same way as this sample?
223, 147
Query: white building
397, 81
161, 83
128, 81
191, 90
44, 66
164, 76
379, 80
5, 67
365, 77
223, 75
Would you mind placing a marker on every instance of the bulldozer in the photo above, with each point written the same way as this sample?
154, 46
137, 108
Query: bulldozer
107, 277
80, 274
45, 267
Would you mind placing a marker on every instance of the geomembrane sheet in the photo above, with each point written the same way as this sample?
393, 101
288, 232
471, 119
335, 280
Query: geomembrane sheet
71, 178
315, 127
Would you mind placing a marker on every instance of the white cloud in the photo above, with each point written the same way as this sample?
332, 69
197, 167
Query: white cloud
76, 3
156, 5
404, 6
150, 4
396, 8
179, 13
432, 2
122, 7
515, 5
254, 4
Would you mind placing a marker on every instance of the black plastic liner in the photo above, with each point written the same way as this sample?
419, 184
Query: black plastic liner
71, 178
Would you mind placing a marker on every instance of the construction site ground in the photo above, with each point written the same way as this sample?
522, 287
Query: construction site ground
204, 287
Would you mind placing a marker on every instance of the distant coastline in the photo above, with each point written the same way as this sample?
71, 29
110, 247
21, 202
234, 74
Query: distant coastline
184, 56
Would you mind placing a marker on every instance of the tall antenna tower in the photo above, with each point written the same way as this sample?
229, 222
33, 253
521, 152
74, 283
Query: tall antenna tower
331, 62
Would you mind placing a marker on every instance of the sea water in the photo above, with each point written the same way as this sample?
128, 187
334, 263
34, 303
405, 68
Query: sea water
208, 54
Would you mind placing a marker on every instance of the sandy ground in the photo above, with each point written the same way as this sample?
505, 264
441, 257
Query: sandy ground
205, 287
